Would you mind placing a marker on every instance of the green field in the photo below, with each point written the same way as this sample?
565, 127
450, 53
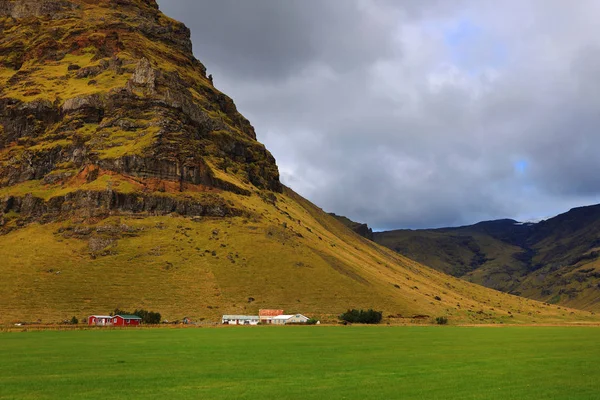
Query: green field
303, 363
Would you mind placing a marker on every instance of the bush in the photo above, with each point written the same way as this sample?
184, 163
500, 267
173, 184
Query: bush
362, 317
74, 320
441, 320
312, 321
148, 317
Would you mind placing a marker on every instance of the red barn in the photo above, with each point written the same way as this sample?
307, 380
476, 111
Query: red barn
126, 320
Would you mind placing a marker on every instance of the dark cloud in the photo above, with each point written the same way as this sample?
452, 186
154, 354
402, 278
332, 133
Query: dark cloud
412, 113
269, 40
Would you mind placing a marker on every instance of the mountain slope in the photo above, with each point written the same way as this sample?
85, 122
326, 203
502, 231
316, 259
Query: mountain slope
553, 261
286, 253
127, 180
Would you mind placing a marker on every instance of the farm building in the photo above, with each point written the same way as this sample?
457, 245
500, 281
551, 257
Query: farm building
100, 320
114, 320
240, 319
126, 320
266, 316
290, 319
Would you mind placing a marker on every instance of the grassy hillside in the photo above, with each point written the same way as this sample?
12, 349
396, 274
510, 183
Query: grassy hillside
554, 261
282, 252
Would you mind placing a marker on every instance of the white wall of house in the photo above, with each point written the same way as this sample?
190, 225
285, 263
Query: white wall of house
298, 318
240, 320
290, 319
281, 319
101, 320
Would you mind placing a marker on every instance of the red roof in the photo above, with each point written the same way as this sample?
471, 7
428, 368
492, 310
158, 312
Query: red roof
269, 313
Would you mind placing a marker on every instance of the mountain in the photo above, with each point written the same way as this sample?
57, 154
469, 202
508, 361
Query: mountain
555, 261
128, 180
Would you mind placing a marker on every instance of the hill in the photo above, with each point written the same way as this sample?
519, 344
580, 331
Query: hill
554, 261
128, 180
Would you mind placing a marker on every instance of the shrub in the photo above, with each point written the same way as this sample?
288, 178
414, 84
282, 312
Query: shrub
441, 320
312, 321
74, 320
148, 317
362, 317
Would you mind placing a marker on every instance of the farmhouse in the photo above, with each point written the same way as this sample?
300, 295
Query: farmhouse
240, 319
266, 316
290, 319
115, 320
100, 320
126, 320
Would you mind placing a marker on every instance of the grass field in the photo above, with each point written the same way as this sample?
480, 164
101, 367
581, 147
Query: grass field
303, 363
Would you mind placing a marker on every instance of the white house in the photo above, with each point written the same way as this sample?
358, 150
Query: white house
290, 319
101, 320
240, 320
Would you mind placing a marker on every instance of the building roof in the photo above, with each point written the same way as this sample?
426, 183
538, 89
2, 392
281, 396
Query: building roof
269, 313
240, 317
125, 316
100, 316
284, 317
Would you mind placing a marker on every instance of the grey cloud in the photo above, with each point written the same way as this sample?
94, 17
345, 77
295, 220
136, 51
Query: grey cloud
371, 113
269, 40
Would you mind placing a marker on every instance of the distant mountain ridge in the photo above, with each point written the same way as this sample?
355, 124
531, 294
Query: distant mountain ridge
555, 260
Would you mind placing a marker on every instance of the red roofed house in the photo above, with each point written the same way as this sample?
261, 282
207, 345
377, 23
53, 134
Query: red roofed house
126, 320
114, 320
266, 316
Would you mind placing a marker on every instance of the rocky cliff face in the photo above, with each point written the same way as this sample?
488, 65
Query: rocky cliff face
360, 228
34, 8
110, 88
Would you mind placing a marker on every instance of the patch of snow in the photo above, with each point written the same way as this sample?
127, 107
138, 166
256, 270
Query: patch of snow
532, 221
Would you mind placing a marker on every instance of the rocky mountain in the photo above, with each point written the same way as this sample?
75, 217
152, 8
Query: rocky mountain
112, 90
555, 260
128, 180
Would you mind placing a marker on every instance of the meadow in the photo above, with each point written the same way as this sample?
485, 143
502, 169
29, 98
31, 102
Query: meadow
303, 363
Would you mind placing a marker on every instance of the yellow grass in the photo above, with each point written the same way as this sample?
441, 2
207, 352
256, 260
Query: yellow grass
122, 143
291, 255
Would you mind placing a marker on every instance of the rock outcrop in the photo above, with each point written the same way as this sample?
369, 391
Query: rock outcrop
362, 229
114, 85
109, 202
36, 8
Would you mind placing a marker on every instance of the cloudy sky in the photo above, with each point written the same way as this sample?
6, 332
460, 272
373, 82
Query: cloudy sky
413, 114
